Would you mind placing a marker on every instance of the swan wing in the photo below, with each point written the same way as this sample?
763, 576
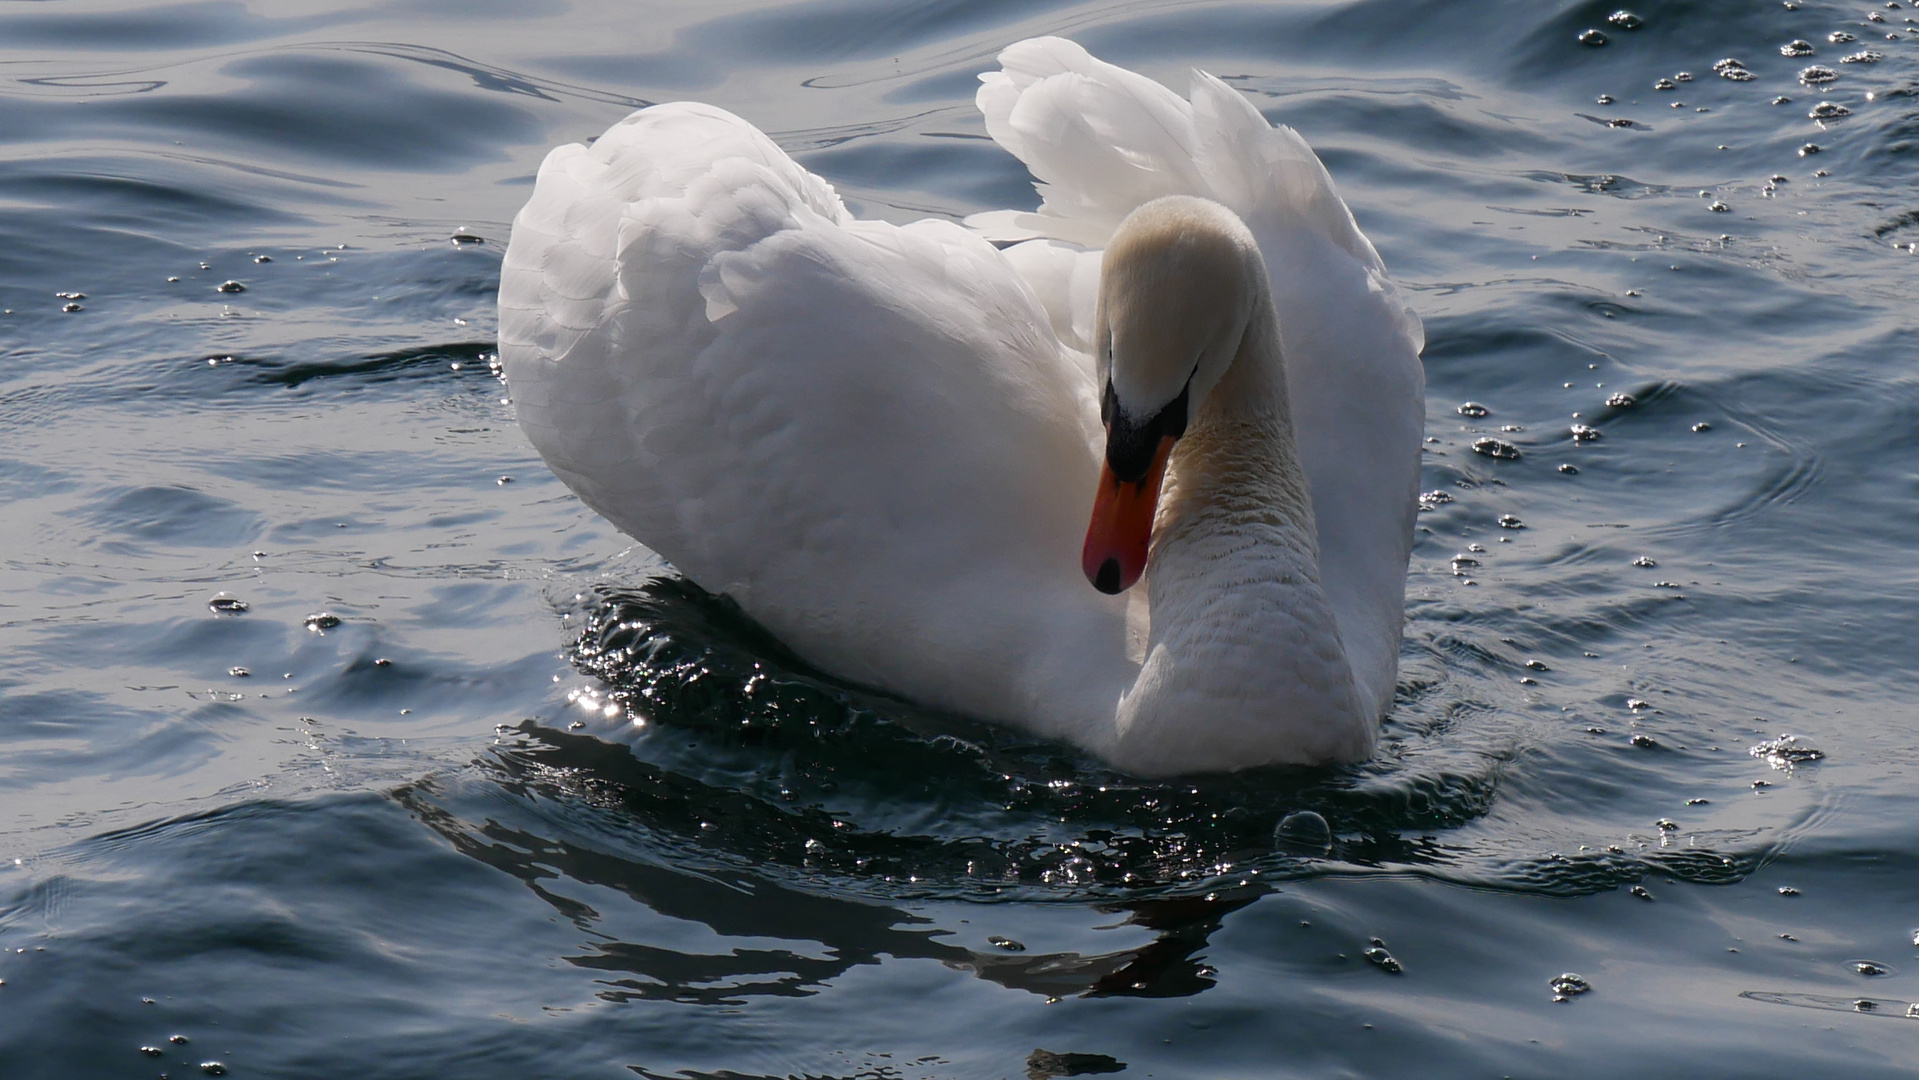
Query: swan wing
865, 433
1100, 140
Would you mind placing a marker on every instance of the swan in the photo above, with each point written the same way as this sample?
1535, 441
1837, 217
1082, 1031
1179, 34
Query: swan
935, 458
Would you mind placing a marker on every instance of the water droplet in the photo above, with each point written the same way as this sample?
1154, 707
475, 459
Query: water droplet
232, 287
1303, 832
1570, 985
1005, 943
1640, 892
1496, 448
1827, 110
1585, 433
1592, 38
1818, 76
223, 604
322, 621
1474, 409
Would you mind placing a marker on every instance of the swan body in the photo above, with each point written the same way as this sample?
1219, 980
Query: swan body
885, 442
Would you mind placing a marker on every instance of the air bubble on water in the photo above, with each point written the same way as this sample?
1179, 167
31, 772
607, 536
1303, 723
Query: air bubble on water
1684, 76
231, 286
239, 672
1786, 751
1782, 100
1477, 548
1644, 742
461, 237
1718, 207
1870, 968
1511, 521
1591, 38
1701, 426
224, 604
213, 1068
1665, 84
1382, 960
1496, 448
152, 1051
1606, 99
1624, 20
70, 307
1569, 469
321, 621
263, 258
1567, 986
1787, 890
1474, 410
1818, 76
177, 1040
1698, 802
1863, 56
1827, 110
1303, 832
1640, 892
1585, 433
1432, 500
1733, 70
1509, 428
1645, 562
1621, 401
1005, 943
1796, 47
1840, 37
1667, 825
1537, 665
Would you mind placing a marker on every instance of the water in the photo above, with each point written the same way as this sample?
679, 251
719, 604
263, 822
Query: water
393, 819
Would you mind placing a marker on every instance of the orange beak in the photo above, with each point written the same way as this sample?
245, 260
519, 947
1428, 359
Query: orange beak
1121, 532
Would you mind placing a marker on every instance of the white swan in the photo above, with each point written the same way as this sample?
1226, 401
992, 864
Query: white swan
885, 441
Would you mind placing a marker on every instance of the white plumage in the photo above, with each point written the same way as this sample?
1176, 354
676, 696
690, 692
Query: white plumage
883, 441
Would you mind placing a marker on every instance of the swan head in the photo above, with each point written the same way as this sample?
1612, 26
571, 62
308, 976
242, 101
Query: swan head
1179, 283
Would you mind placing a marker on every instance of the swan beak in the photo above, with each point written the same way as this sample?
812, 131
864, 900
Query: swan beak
1122, 528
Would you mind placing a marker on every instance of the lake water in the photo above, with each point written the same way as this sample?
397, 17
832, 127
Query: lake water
419, 837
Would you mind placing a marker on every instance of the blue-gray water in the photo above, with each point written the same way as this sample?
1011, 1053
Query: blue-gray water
426, 841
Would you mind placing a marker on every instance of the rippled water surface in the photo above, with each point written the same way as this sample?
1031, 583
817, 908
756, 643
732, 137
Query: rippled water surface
383, 811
